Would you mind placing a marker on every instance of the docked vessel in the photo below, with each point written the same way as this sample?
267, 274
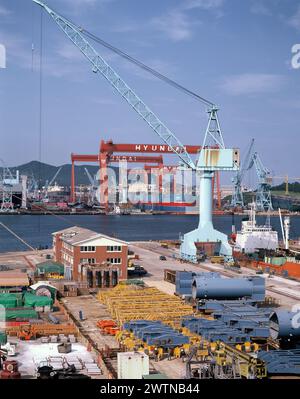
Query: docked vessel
257, 247
253, 237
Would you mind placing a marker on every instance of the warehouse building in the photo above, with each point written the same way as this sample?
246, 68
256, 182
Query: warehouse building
89, 256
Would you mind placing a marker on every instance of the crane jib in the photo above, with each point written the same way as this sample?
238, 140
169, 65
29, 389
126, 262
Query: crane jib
100, 65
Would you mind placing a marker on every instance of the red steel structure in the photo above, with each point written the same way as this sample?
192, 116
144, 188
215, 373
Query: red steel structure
104, 161
106, 156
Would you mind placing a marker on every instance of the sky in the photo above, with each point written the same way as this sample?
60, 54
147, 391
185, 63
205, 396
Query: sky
235, 53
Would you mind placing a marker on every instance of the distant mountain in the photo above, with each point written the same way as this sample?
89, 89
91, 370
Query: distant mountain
43, 172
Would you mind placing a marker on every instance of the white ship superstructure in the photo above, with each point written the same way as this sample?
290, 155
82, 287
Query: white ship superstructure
253, 237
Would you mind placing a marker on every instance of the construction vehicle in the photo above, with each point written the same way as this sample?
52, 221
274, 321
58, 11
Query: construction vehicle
164, 245
136, 270
237, 363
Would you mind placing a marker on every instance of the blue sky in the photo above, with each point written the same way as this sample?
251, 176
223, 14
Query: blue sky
235, 53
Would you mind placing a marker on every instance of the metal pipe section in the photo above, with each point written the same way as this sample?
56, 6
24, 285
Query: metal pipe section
235, 288
285, 324
205, 219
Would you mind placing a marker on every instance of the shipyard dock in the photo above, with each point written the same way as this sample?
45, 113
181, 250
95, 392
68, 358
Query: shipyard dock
95, 316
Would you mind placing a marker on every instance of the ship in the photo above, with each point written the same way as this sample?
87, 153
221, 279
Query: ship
253, 237
258, 248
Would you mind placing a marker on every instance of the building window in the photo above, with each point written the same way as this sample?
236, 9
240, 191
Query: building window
114, 261
114, 248
91, 261
89, 248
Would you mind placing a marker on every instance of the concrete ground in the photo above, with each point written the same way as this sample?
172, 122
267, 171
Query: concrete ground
24, 259
286, 291
93, 311
30, 354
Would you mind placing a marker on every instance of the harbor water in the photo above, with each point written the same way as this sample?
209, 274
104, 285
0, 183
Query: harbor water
37, 230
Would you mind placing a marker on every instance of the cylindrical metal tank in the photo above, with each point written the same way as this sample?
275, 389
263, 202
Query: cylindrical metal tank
106, 278
98, 279
285, 324
221, 288
114, 278
89, 276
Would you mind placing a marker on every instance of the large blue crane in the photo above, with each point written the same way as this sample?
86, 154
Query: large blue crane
213, 155
237, 196
263, 193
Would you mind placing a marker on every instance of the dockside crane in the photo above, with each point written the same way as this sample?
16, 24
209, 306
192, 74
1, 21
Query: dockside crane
93, 186
6, 189
263, 198
212, 157
237, 196
49, 184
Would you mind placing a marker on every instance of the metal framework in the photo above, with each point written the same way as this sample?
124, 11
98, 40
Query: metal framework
100, 65
237, 196
6, 188
263, 193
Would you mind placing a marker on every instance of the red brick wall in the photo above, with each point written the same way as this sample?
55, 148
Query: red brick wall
58, 248
101, 255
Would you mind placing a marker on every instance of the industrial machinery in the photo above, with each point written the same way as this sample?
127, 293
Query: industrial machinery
6, 185
250, 287
212, 157
243, 364
263, 194
237, 199
285, 325
93, 187
281, 362
49, 184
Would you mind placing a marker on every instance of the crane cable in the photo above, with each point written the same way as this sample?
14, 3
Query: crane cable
138, 63
145, 67
16, 235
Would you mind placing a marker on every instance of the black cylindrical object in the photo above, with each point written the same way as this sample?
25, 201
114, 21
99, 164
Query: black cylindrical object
98, 279
114, 278
285, 324
89, 276
106, 278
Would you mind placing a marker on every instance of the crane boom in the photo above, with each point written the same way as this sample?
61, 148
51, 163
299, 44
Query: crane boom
89, 177
237, 197
54, 177
263, 194
100, 65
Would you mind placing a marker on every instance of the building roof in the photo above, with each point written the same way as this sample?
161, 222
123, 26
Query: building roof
50, 266
78, 235
13, 279
42, 284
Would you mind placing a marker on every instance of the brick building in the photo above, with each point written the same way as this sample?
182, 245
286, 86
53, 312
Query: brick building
87, 255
